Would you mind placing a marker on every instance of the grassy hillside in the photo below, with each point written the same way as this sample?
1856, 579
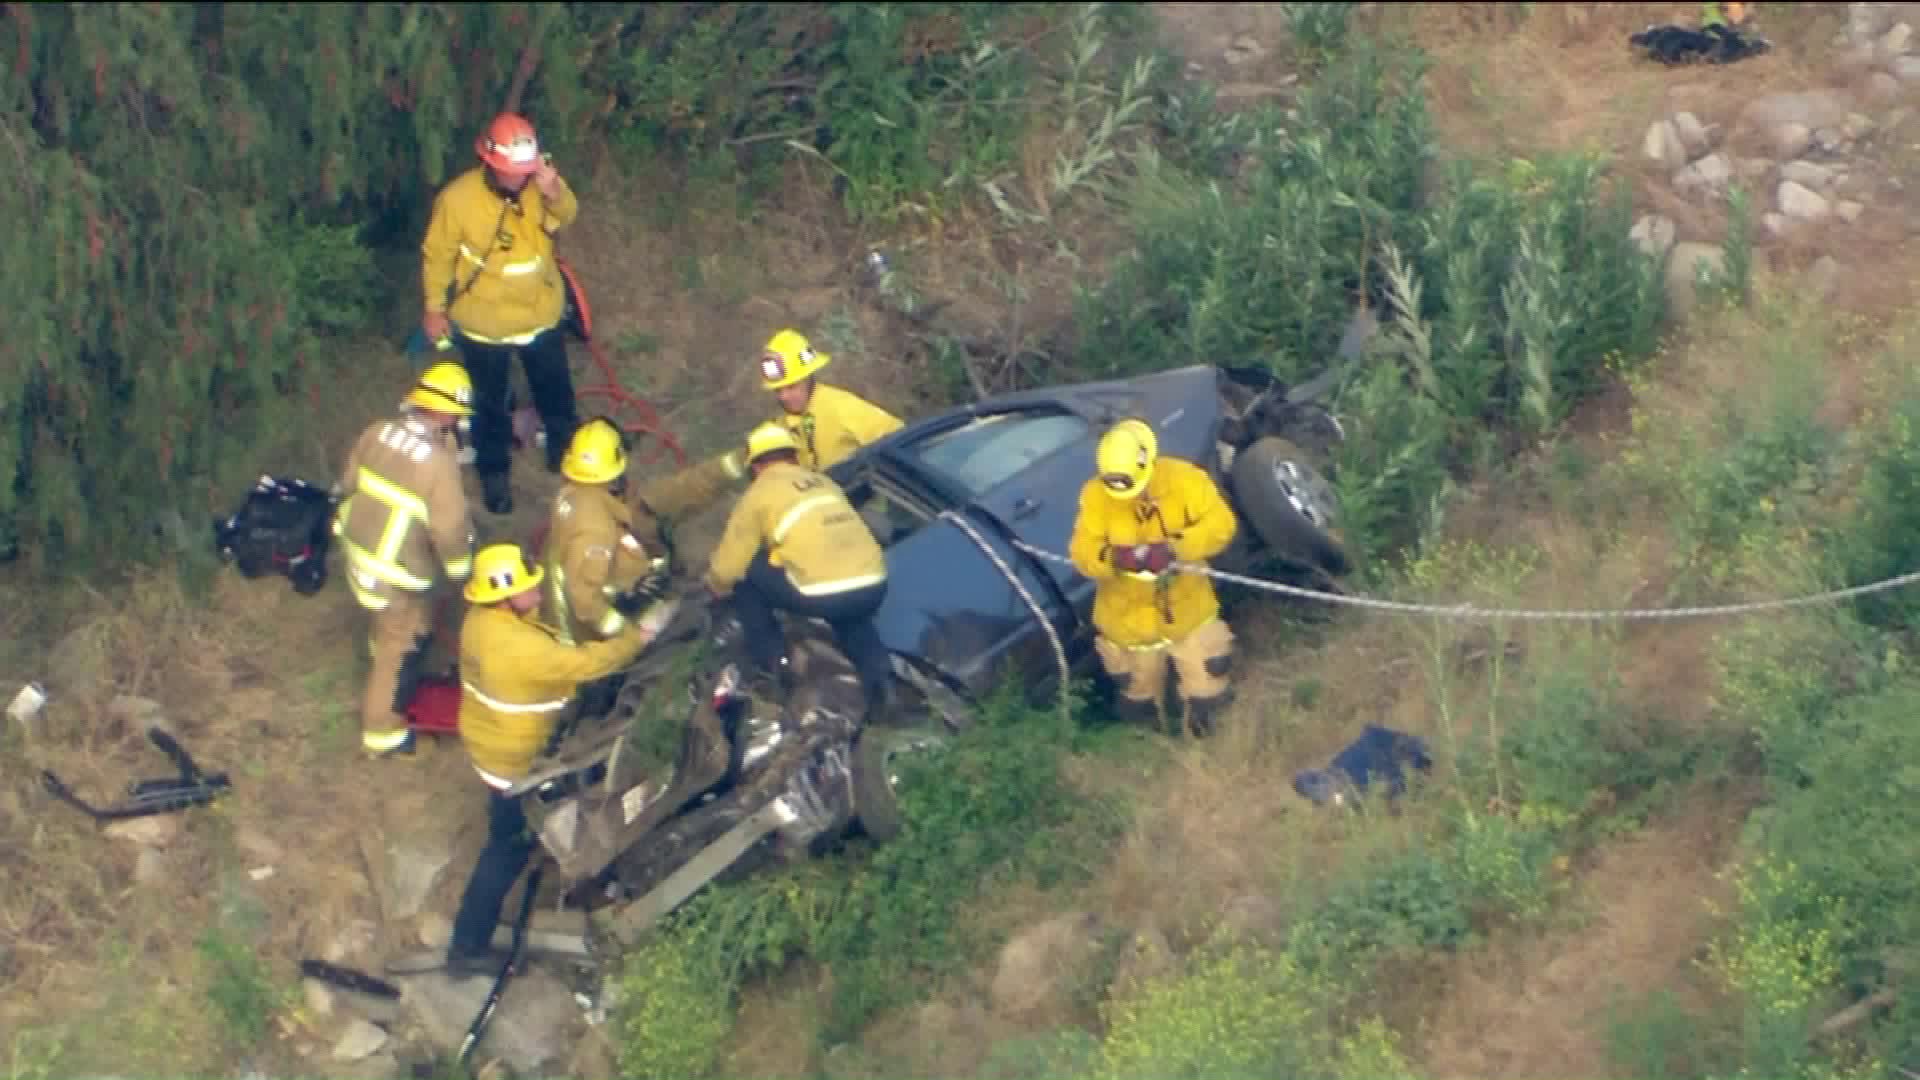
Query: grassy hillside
1649, 848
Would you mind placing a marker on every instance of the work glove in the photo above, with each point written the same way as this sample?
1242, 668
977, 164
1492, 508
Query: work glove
1157, 558
1125, 558
1143, 558
643, 594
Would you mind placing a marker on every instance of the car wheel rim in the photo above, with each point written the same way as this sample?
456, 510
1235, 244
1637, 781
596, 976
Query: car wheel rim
1302, 490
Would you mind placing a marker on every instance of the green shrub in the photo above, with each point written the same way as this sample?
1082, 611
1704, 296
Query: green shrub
673, 1021
1883, 539
1238, 1012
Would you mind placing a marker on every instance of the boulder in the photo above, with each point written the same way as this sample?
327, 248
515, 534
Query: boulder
1662, 145
1654, 234
1692, 133
1809, 174
1709, 175
1802, 203
1789, 140
1882, 88
532, 1030
1893, 44
1811, 109
360, 1039
1687, 260
1849, 210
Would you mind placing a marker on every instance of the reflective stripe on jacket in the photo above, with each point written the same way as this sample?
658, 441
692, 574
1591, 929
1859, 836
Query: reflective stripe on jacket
403, 512
808, 528
505, 249
515, 678
1181, 507
592, 556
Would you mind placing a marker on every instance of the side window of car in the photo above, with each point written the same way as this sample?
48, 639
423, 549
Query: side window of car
987, 452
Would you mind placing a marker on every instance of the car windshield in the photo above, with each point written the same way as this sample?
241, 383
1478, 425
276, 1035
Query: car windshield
983, 454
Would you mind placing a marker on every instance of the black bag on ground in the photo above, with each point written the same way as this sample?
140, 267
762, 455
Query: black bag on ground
283, 527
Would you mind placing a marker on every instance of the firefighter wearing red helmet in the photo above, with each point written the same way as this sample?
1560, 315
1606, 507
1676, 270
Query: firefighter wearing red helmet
494, 290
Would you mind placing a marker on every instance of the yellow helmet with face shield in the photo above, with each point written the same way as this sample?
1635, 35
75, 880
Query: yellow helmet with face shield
1125, 457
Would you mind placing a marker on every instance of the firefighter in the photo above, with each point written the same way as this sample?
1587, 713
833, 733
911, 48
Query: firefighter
601, 567
403, 515
516, 677
794, 543
1140, 514
1725, 15
827, 422
493, 289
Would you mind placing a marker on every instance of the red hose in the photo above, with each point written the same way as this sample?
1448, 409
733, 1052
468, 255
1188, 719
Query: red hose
648, 420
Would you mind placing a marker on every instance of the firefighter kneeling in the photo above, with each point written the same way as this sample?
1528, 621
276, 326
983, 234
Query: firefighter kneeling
1142, 513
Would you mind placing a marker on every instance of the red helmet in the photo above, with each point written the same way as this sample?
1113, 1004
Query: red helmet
509, 146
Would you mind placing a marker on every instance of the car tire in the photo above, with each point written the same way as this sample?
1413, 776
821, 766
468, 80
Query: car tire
875, 802
1280, 492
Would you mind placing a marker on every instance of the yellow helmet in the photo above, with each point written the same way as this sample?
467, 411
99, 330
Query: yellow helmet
443, 388
597, 454
789, 358
500, 571
767, 438
1125, 457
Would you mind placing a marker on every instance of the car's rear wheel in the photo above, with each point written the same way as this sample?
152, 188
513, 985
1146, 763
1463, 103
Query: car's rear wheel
876, 763
1281, 493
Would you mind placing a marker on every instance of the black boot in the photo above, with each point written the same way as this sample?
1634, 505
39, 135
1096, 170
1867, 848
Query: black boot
497, 493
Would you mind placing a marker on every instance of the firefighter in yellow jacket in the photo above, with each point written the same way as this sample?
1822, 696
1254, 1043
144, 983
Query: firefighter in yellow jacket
493, 289
402, 518
596, 554
828, 424
1142, 513
516, 677
794, 543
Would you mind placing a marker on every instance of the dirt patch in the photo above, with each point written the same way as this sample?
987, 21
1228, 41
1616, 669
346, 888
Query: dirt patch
1533, 1005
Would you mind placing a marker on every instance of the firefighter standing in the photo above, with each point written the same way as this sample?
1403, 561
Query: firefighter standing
795, 543
493, 289
402, 516
516, 677
1137, 517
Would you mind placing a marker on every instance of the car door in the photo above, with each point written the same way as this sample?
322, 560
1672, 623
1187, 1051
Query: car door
994, 471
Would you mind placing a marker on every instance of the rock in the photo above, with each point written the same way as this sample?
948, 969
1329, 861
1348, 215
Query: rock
1145, 957
1882, 88
1709, 174
1805, 108
150, 866
360, 1040
1778, 225
1752, 168
533, 1029
154, 832
1824, 275
1858, 126
1790, 140
1865, 22
1662, 145
412, 871
1803, 204
1688, 260
1692, 133
1830, 141
1038, 964
1855, 59
1808, 174
318, 996
1906, 69
379, 1066
1893, 44
1653, 234
136, 712
1849, 210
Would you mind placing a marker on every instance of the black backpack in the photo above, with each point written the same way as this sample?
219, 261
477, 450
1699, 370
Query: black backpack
283, 527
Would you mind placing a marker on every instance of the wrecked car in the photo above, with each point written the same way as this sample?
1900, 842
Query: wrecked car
757, 779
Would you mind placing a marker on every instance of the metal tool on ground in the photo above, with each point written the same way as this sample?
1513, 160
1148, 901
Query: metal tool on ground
488, 1007
345, 978
150, 797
